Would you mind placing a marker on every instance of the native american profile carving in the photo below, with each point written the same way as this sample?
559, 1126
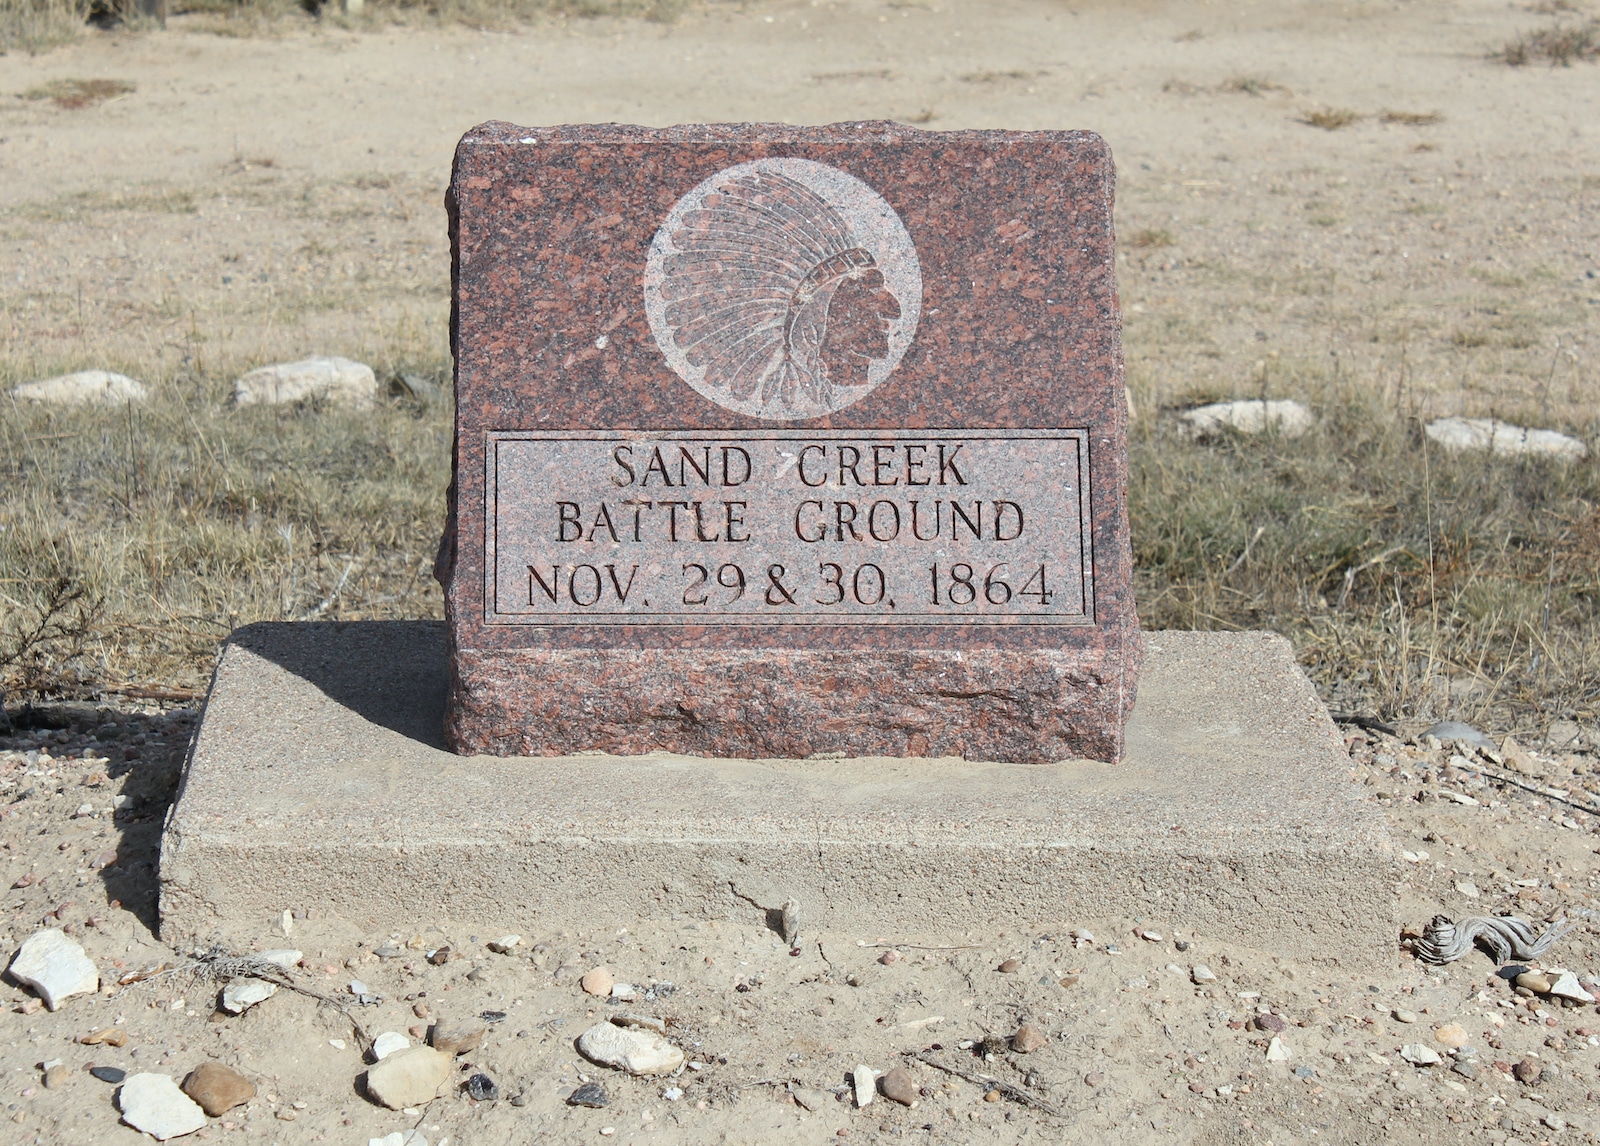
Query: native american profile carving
783, 288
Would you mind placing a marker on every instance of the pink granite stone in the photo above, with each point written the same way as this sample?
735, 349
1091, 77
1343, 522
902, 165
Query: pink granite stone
773, 441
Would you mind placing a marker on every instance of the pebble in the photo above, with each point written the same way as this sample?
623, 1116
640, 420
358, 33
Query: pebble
1200, 973
1277, 1051
54, 965
399, 1138
85, 388
890, 958
390, 950
110, 1036
1148, 935
1010, 967
1528, 1071
1304, 1072
1028, 1039
598, 982
1093, 1078
410, 1077
482, 1088
673, 1093
285, 957
813, 1100
111, 1074
1401, 1015
337, 380
218, 1089
505, 944
56, 1077
1452, 1036
153, 1103
1465, 1069
1566, 987
458, 1037
1535, 981
245, 992
387, 1044
898, 1086
635, 1051
1268, 1022
439, 956
1467, 888
1419, 1054
1448, 730
864, 1078
589, 1094
624, 991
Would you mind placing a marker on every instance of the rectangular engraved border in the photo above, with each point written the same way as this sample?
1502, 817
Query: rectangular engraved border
492, 438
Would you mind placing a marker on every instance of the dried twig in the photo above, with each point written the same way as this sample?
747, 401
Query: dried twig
1015, 1093
1506, 938
917, 946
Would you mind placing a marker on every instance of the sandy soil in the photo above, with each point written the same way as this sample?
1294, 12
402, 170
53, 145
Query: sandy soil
268, 197
263, 197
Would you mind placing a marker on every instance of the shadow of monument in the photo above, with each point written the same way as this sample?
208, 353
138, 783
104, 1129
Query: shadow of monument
391, 673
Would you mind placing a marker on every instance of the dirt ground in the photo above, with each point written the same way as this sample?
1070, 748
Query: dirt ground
272, 196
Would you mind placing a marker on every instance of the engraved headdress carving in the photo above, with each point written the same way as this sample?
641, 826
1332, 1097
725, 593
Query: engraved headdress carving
771, 300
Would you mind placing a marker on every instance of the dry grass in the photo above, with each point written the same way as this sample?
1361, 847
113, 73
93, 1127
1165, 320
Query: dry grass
1412, 118
1150, 238
1414, 584
1251, 85
1560, 45
35, 25
74, 94
1331, 118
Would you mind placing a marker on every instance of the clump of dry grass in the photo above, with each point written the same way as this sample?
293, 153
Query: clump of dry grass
1331, 118
186, 517
34, 25
1251, 85
1414, 583
1150, 237
75, 94
1412, 118
1560, 45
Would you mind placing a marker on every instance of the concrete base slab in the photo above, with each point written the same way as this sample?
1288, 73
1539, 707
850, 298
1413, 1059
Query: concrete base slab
318, 779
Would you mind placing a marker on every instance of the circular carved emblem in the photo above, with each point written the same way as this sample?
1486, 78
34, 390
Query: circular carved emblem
783, 289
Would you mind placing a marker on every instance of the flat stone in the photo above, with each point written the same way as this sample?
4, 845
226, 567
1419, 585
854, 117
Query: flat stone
390, 1042
590, 1094
54, 965
1200, 973
336, 380
1446, 731
352, 715
1277, 1050
869, 237
217, 1088
410, 1077
154, 1104
1566, 986
1452, 1036
453, 1038
1028, 1039
1536, 981
285, 957
813, 1100
1420, 1054
636, 1051
85, 388
898, 1086
245, 992
1499, 437
865, 1079
1401, 1015
1285, 417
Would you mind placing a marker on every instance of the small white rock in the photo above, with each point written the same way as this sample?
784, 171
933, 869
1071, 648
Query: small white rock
635, 1051
153, 1103
1277, 1051
672, 1093
1567, 987
505, 944
1200, 973
1249, 416
387, 1043
1467, 888
336, 1044
284, 957
358, 988
623, 991
54, 965
1503, 438
85, 388
244, 992
865, 1079
1420, 1054
339, 380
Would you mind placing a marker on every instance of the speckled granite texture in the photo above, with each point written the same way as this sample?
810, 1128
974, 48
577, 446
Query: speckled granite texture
782, 295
